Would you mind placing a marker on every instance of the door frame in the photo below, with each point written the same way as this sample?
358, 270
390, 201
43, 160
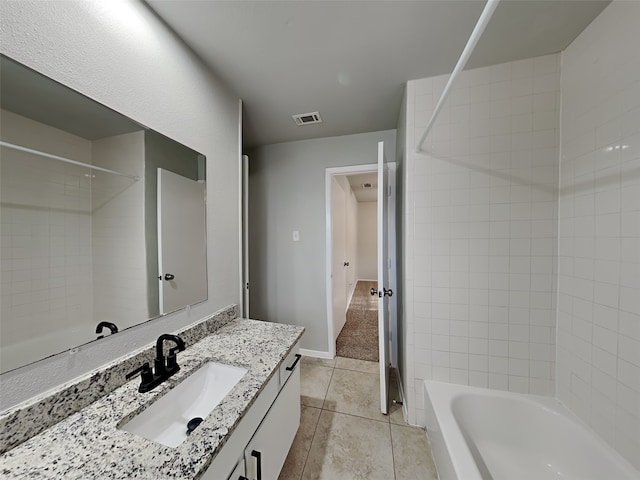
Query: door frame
350, 170
244, 236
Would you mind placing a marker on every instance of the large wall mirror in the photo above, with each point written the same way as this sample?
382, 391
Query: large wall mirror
102, 221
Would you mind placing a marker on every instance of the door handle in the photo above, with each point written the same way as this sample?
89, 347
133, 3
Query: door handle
387, 292
346, 264
373, 292
258, 455
169, 276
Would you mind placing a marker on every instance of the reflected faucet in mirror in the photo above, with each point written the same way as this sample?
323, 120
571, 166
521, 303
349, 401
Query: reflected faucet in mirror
111, 326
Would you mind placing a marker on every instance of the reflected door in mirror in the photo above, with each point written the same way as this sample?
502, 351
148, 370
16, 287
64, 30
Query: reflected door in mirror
182, 245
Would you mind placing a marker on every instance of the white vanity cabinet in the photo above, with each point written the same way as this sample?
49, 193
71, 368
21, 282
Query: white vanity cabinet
267, 430
268, 449
238, 472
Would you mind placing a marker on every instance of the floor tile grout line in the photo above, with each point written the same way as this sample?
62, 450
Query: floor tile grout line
403, 425
393, 455
387, 417
313, 437
356, 416
344, 368
323, 408
353, 370
328, 387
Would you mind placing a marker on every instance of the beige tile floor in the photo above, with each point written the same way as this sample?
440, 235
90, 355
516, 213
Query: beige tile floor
343, 435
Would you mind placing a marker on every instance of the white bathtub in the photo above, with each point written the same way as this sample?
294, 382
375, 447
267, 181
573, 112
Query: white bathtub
481, 434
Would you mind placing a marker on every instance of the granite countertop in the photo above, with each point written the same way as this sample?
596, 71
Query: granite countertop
88, 444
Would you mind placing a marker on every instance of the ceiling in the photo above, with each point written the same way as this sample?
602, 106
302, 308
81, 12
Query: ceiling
349, 60
362, 193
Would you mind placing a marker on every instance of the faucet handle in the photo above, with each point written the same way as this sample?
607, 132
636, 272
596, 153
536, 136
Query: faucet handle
145, 372
159, 366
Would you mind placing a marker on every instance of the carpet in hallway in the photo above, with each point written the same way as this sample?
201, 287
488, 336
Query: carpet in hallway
359, 336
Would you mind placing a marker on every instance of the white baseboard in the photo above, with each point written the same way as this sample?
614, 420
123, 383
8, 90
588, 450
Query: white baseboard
353, 289
315, 353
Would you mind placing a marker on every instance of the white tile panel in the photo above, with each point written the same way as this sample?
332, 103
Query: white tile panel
600, 244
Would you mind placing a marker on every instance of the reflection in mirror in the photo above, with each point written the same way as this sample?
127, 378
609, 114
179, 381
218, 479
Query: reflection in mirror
78, 218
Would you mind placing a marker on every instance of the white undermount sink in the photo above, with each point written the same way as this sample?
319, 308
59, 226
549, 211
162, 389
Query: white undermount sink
166, 420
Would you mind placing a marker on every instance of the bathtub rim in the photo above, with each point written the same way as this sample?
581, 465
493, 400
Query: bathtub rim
451, 452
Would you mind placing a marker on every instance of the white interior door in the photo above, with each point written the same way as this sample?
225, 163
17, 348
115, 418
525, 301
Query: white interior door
182, 241
383, 277
245, 233
339, 253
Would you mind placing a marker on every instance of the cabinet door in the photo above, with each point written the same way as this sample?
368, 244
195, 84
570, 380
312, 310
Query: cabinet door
268, 449
238, 472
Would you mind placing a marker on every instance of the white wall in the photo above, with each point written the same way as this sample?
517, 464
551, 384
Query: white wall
480, 229
367, 240
352, 242
599, 228
287, 183
340, 190
120, 54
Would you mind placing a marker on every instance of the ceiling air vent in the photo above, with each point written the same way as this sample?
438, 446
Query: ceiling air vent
307, 118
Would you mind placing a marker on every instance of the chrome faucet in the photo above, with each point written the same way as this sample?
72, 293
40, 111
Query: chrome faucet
164, 367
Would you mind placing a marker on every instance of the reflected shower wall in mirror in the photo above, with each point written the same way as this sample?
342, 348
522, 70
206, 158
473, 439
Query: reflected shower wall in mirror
78, 238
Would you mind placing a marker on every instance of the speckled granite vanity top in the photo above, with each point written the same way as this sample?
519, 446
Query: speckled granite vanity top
89, 444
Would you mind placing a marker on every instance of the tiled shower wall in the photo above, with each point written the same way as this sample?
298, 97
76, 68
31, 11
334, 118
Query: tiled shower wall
599, 229
481, 216
118, 231
72, 241
46, 243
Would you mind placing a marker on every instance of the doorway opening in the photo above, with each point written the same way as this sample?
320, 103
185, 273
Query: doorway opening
343, 265
354, 263
351, 239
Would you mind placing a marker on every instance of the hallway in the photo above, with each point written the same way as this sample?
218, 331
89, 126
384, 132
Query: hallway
359, 336
343, 435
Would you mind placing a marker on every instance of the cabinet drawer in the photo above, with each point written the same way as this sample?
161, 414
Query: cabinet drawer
290, 364
268, 449
238, 472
